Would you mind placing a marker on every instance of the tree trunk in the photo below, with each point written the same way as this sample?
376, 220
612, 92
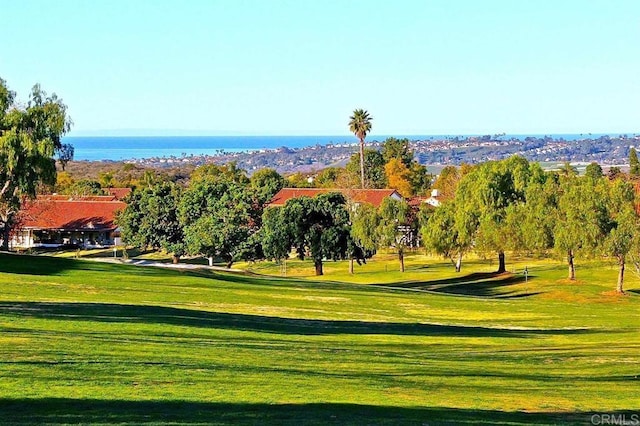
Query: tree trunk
210, 260
362, 163
318, 265
5, 237
620, 275
572, 266
401, 259
351, 265
229, 264
175, 259
459, 262
502, 267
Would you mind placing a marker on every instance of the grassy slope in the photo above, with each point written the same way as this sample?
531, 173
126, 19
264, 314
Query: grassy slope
85, 342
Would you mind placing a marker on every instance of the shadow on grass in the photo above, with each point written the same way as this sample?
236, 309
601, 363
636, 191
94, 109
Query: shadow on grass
479, 284
57, 411
48, 265
103, 312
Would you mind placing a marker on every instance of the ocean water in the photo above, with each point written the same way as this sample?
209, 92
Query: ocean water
115, 148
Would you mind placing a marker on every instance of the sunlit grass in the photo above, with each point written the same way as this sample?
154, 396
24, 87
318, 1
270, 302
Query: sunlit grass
88, 342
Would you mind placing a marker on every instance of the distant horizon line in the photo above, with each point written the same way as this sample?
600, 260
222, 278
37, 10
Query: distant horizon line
224, 134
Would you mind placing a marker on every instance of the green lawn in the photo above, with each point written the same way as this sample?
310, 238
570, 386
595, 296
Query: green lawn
84, 342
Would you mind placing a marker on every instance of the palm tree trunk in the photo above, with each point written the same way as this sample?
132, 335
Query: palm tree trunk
620, 275
362, 163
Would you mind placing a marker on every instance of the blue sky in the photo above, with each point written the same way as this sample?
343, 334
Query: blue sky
300, 67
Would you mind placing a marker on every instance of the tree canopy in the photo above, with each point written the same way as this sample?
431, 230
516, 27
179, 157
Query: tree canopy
30, 136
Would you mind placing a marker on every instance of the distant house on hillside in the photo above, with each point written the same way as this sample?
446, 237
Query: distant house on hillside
357, 196
59, 220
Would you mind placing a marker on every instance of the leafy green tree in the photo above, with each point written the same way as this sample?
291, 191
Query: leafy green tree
316, 227
220, 218
440, 235
622, 226
84, 187
634, 164
420, 178
229, 172
30, 136
364, 224
266, 182
530, 225
397, 148
373, 168
276, 235
395, 228
594, 171
150, 219
483, 196
329, 177
581, 222
360, 126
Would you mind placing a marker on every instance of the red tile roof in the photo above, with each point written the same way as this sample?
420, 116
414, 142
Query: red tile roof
119, 193
371, 196
79, 214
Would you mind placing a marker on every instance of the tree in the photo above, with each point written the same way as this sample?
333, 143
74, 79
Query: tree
220, 217
622, 226
151, 219
440, 235
399, 177
483, 196
65, 154
360, 126
84, 187
29, 138
316, 227
328, 177
634, 164
373, 168
266, 182
364, 224
397, 148
593, 171
581, 222
447, 182
395, 227
420, 178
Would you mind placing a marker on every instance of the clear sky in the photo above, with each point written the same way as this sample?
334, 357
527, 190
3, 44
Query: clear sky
300, 67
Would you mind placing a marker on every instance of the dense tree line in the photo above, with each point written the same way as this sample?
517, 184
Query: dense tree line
513, 205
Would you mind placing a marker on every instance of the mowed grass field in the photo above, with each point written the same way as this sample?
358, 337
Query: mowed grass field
83, 342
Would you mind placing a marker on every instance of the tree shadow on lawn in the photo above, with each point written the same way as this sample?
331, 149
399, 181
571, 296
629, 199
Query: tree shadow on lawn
479, 284
106, 312
57, 411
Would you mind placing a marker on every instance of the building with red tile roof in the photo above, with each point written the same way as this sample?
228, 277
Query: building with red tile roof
53, 221
118, 193
371, 196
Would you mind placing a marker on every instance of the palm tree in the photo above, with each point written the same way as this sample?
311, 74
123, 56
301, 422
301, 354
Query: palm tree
360, 125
